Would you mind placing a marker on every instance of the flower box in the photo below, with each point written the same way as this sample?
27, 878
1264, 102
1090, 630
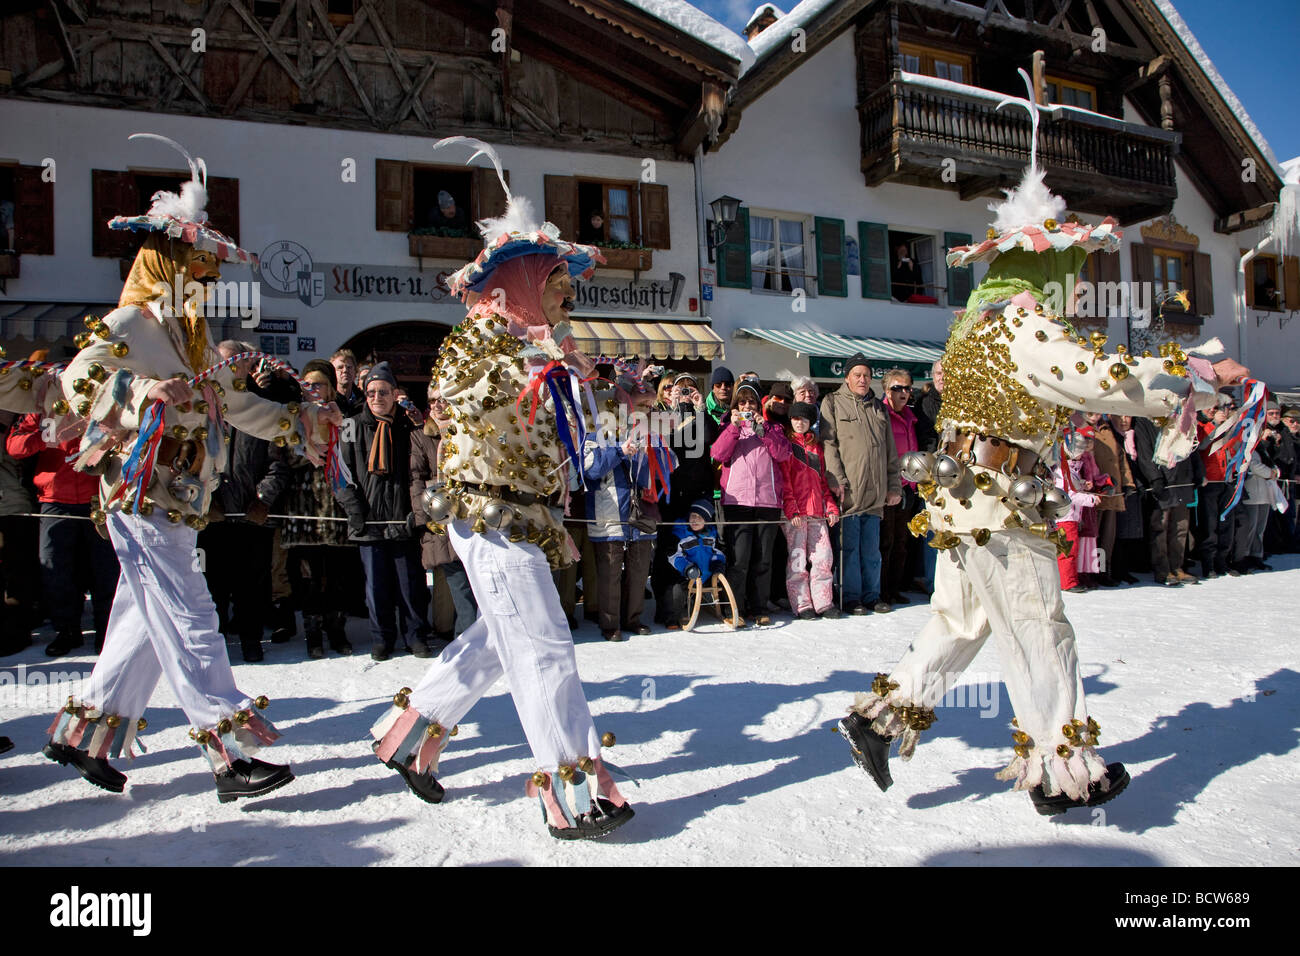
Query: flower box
632, 259
455, 248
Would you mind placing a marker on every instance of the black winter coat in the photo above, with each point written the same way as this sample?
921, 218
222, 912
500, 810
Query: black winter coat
377, 498
1169, 487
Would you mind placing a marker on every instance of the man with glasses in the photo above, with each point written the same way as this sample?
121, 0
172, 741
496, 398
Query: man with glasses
895, 539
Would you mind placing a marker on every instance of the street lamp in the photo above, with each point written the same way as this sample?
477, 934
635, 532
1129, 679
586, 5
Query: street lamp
726, 209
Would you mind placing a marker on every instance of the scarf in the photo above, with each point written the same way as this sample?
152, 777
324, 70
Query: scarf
381, 449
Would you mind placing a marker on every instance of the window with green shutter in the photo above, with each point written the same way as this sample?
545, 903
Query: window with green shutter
830, 256
733, 254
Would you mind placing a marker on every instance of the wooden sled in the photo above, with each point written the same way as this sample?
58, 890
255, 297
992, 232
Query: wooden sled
719, 595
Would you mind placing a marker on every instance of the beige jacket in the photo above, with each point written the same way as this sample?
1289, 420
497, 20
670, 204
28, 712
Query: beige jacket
861, 460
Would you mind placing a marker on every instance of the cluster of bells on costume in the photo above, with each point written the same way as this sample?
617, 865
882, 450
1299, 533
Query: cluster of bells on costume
1026, 492
496, 515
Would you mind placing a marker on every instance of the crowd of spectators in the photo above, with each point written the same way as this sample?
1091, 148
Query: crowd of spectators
793, 494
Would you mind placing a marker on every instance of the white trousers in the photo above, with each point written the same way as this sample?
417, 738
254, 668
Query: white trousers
163, 624
1010, 589
521, 632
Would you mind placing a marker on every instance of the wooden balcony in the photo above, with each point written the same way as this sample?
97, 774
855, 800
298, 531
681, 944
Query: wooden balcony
1098, 164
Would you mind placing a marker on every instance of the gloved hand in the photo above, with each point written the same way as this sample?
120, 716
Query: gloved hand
692, 573
356, 525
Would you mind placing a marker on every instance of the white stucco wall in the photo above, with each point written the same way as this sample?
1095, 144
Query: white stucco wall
290, 187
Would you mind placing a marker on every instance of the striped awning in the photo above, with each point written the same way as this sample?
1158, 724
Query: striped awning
807, 342
647, 338
47, 323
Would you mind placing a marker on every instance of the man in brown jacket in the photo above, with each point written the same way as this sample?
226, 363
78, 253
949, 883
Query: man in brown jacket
1108, 450
862, 466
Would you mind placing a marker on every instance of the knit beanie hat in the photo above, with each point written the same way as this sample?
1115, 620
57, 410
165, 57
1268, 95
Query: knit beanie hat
803, 410
722, 374
380, 372
856, 359
703, 508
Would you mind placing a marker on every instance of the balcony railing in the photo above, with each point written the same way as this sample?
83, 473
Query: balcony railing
911, 126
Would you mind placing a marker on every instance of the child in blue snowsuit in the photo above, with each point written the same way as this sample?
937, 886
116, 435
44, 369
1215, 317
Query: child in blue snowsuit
697, 555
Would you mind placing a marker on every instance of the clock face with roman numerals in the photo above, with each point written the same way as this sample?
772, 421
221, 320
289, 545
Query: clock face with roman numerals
280, 264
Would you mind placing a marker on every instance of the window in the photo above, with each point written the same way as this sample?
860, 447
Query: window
1264, 291
434, 200
778, 253
610, 213
1168, 271
1070, 93
130, 192
929, 61
26, 211
607, 213
911, 268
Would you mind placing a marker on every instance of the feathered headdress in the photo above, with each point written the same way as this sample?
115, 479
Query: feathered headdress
184, 215
516, 233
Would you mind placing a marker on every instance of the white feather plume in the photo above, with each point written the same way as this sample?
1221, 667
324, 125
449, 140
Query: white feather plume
519, 217
192, 202
1027, 204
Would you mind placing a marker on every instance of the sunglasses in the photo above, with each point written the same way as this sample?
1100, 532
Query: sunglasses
900, 388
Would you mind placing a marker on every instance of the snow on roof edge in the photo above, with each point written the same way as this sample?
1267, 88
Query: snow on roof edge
759, 9
695, 22
779, 32
1179, 26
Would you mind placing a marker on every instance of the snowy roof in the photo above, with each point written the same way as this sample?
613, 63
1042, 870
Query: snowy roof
695, 22
778, 33
1207, 67
764, 8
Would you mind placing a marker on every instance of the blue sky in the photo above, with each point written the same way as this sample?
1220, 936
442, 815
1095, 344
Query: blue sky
1253, 44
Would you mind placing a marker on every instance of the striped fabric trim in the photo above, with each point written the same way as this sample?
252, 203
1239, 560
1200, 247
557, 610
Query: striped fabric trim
665, 340
825, 343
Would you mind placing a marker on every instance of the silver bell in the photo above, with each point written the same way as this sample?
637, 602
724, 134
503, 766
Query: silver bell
498, 515
948, 471
437, 506
916, 466
1026, 491
1055, 502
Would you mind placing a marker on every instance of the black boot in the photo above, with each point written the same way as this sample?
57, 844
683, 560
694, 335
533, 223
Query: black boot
1117, 779
283, 623
312, 626
870, 750
251, 778
97, 770
423, 785
602, 818
337, 633
64, 643
251, 648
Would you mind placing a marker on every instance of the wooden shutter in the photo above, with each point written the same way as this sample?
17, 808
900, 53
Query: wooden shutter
1144, 269
223, 205
1202, 285
562, 205
394, 196
830, 256
33, 212
1291, 282
489, 197
654, 216
873, 253
113, 193
961, 279
1105, 266
733, 254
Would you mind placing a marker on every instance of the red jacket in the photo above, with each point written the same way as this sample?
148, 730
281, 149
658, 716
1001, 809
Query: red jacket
1216, 465
56, 482
806, 491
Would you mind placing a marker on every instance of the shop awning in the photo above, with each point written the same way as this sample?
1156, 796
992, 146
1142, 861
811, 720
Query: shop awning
47, 322
826, 351
647, 339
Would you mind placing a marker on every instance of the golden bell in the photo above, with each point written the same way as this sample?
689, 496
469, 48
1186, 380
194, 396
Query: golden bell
401, 700
1038, 529
201, 406
120, 349
1020, 737
405, 690
607, 739
60, 407
82, 339
174, 516
566, 773
70, 707
101, 329
238, 385
920, 524
98, 517
81, 386
454, 731
180, 432
295, 439
197, 522
1064, 752
96, 371
242, 717
279, 441
292, 408
285, 424
202, 737
1055, 370
1068, 730
113, 721
90, 321
25, 384
1051, 225
478, 527
1119, 371
983, 480
1021, 750
541, 780
225, 726
1080, 367
586, 765
433, 730
144, 508
141, 724
262, 702
1015, 722
200, 433
981, 536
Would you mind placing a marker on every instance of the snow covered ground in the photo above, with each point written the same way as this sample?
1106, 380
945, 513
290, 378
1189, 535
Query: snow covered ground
1197, 691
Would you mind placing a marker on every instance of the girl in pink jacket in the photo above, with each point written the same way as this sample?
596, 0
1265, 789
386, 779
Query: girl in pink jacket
810, 513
